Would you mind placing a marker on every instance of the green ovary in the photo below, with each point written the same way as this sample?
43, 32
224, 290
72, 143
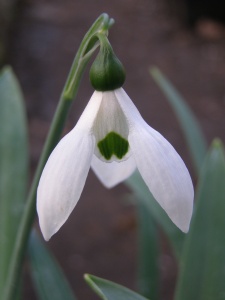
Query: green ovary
115, 144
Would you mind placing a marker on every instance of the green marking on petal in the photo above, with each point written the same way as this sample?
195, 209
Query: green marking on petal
113, 143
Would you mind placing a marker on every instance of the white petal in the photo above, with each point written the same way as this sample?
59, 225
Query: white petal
89, 115
65, 172
110, 120
129, 109
110, 174
161, 167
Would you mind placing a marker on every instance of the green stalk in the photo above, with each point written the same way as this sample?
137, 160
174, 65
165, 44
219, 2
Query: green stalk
87, 48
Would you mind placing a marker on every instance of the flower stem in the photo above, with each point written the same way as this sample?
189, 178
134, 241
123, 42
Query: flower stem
87, 48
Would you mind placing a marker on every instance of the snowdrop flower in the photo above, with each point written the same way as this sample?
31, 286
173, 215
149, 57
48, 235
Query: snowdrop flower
112, 138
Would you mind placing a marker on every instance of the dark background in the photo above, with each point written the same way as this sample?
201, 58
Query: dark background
186, 41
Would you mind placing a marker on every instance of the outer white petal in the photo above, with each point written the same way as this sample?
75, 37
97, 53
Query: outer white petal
110, 174
65, 172
161, 167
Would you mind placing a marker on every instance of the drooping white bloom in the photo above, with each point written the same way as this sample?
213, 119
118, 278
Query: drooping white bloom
113, 139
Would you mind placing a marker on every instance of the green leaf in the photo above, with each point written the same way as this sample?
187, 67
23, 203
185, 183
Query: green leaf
189, 124
49, 280
148, 248
202, 272
13, 165
142, 193
108, 290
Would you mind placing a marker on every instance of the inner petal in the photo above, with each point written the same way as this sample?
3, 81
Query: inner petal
111, 130
113, 144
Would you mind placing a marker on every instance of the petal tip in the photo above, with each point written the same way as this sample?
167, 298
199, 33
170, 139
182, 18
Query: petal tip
46, 237
184, 219
184, 228
47, 229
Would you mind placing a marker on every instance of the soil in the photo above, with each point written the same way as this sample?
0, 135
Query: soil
100, 236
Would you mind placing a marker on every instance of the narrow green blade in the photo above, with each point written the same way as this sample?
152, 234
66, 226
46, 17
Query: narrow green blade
13, 165
202, 273
148, 248
189, 124
142, 193
108, 290
49, 280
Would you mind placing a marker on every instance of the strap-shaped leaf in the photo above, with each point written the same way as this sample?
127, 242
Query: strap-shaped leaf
108, 290
189, 124
142, 193
13, 165
203, 262
148, 256
49, 280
